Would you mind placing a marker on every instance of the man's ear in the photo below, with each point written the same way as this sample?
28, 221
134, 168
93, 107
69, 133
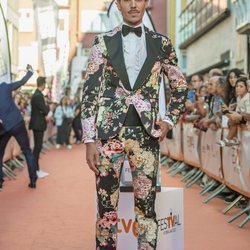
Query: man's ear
118, 4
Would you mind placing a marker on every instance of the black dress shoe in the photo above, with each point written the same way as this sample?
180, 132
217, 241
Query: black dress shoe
32, 184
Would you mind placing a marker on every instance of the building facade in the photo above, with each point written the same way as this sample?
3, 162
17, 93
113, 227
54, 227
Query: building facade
10, 10
209, 36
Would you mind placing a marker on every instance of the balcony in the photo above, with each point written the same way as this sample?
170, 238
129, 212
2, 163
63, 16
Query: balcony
199, 17
242, 10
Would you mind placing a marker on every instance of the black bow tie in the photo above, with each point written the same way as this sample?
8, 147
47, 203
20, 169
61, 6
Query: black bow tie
127, 29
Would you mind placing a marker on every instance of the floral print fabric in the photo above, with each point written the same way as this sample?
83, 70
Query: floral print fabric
107, 93
142, 152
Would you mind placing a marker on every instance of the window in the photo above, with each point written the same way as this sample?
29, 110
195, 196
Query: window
198, 15
26, 20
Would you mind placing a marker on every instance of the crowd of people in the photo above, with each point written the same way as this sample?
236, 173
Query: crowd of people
65, 115
220, 101
25, 111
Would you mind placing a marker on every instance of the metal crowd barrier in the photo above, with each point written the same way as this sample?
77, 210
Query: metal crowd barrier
196, 154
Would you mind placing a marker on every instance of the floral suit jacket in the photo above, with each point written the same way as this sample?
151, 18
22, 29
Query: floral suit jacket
107, 93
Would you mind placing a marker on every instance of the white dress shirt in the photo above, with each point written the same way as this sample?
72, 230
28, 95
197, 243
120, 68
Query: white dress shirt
135, 53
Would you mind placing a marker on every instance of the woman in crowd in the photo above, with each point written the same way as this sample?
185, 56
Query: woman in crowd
243, 106
218, 96
231, 79
63, 119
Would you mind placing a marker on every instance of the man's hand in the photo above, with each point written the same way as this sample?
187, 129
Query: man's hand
224, 108
92, 157
29, 68
204, 122
165, 127
189, 105
246, 116
213, 127
232, 106
235, 117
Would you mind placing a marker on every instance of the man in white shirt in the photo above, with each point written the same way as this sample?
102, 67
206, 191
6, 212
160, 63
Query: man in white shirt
120, 117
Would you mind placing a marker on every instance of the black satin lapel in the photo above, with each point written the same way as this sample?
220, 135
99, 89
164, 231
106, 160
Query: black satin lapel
153, 46
115, 51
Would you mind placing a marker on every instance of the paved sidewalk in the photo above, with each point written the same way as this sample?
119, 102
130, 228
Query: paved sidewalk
59, 214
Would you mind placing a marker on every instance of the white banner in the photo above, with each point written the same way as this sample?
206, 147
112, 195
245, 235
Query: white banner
191, 145
236, 165
174, 145
169, 210
210, 153
5, 68
46, 13
77, 65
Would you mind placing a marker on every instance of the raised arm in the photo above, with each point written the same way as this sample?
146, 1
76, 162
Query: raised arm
18, 84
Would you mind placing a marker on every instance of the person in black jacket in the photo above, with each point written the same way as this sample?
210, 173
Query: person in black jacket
12, 124
38, 123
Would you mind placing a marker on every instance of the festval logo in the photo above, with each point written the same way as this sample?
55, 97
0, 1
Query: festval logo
169, 223
165, 225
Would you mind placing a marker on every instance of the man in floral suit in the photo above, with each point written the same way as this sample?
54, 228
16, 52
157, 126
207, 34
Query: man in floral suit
120, 118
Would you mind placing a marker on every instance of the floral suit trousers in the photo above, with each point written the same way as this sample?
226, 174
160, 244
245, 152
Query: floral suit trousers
143, 155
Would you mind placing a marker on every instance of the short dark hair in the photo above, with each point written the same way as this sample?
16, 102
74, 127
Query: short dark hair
40, 81
242, 79
236, 71
199, 76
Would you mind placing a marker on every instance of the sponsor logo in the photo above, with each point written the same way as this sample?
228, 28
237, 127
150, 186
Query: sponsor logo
125, 226
166, 225
169, 224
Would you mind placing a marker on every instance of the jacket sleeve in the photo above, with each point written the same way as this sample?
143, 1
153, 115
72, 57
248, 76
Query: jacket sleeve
40, 104
177, 83
18, 84
91, 88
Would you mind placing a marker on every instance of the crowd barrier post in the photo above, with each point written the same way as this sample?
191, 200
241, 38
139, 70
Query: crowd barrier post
8, 172
238, 175
245, 210
190, 146
208, 187
236, 163
173, 148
